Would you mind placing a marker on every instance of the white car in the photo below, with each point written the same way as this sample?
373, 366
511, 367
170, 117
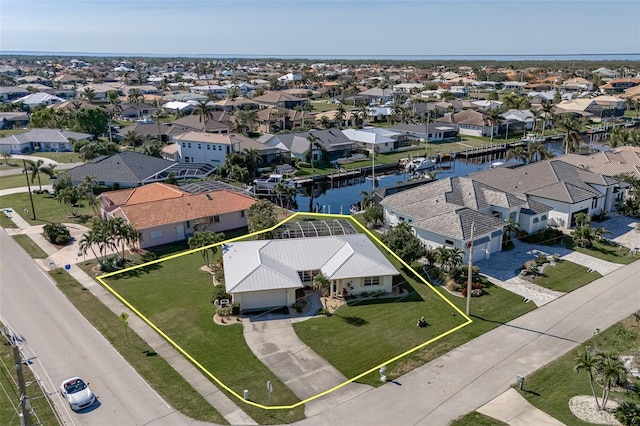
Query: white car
77, 392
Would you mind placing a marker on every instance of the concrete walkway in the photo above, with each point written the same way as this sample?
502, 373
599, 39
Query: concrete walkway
513, 409
307, 374
21, 189
602, 266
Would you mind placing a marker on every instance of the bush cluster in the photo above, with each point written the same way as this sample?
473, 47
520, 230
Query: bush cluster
57, 233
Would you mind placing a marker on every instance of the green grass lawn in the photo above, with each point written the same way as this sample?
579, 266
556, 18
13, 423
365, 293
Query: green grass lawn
154, 369
17, 181
476, 419
60, 157
551, 387
10, 397
176, 296
602, 251
30, 246
5, 222
47, 208
565, 276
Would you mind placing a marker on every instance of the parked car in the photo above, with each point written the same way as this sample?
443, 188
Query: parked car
77, 392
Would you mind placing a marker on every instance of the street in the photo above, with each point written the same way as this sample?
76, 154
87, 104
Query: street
62, 344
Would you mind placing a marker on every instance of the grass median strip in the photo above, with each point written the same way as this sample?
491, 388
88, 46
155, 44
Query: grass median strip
153, 368
30, 246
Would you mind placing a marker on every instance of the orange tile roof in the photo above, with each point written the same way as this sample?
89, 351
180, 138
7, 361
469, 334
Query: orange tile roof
187, 207
143, 194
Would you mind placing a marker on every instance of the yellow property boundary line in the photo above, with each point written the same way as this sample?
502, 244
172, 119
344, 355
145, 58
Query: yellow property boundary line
231, 391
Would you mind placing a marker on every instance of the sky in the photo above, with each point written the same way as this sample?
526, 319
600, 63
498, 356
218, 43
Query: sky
322, 27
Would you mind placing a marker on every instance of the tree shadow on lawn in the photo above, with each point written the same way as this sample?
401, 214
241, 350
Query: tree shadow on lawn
353, 320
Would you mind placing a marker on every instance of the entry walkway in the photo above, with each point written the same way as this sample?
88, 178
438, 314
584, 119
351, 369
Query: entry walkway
513, 409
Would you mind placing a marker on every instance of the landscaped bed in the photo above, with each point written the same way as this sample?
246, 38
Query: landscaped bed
601, 250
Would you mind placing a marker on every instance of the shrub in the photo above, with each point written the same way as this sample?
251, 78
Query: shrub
235, 309
224, 312
57, 233
476, 290
220, 293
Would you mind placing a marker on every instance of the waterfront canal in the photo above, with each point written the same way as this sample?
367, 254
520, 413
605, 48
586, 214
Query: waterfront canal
336, 198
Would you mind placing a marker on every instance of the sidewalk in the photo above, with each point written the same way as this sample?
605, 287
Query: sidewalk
220, 401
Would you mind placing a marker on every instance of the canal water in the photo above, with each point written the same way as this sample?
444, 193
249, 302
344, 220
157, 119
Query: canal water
337, 199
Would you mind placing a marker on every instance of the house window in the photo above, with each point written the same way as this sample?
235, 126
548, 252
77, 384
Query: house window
216, 219
242, 213
184, 145
188, 224
594, 203
208, 147
188, 144
199, 146
186, 159
536, 220
219, 147
544, 217
155, 234
448, 242
368, 281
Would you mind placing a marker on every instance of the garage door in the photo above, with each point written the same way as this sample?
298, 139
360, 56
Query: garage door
263, 299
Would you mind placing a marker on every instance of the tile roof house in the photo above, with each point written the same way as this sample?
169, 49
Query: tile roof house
623, 159
469, 122
566, 188
443, 212
194, 122
41, 140
164, 213
265, 274
126, 169
279, 99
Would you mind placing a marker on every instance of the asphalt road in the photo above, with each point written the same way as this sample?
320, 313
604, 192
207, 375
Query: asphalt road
62, 343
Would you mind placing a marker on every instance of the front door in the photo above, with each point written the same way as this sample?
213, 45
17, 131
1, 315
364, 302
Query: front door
180, 232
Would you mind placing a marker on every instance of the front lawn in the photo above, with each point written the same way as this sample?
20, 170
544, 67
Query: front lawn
6, 222
60, 157
477, 419
47, 208
551, 387
359, 337
615, 254
177, 297
565, 276
18, 181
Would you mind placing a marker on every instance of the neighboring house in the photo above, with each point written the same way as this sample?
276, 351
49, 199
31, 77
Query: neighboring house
437, 131
213, 148
385, 140
601, 107
195, 122
126, 169
230, 105
577, 84
179, 107
280, 100
469, 122
518, 120
164, 213
13, 120
41, 98
619, 85
11, 93
443, 213
623, 159
271, 120
296, 145
265, 274
566, 188
41, 140
139, 110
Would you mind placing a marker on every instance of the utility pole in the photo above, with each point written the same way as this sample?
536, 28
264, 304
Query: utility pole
24, 399
469, 277
26, 175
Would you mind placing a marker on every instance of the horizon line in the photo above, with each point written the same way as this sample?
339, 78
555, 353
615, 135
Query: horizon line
302, 56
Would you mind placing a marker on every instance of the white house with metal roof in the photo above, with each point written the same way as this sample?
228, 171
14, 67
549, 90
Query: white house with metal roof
265, 274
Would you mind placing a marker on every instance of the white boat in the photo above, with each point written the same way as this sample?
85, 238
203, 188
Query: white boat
421, 164
496, 164
270, 182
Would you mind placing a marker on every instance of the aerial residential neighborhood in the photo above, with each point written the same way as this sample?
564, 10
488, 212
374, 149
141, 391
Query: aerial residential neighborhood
382, 235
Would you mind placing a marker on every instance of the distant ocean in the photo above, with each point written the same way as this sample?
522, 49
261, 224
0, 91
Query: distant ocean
570, 57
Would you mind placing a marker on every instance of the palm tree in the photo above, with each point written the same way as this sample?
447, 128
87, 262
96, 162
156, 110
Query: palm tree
252, 159
583, 236
279, 189
205, 111
322, 283
586, 362
517, 153
572, 139
34, 167
494, 119
5, 156
325, 123
313, 143
133, 139
89, 94
611, 372
70, 197
442, 255
582, 219
536, 151
86, 243
368, 197
206, 241
510, 230
49, 170
340, 114
619, 137
134, 96
455, 258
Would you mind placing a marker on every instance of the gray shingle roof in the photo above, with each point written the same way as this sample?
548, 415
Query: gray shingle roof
127, 166
44, 135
